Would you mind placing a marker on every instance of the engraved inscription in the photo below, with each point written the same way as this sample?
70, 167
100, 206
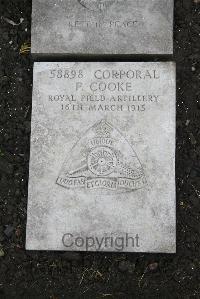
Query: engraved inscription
110, 90
103, 24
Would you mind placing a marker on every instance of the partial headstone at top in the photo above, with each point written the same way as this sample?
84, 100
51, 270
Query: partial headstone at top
99, 27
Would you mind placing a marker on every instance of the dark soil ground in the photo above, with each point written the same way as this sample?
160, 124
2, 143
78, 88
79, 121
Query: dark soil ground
95, 275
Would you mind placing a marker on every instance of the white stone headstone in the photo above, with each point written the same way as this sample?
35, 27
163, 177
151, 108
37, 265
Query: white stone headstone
102, 27
102, 162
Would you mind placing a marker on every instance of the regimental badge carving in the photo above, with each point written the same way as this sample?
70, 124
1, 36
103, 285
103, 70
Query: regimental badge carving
97, 5
102, 159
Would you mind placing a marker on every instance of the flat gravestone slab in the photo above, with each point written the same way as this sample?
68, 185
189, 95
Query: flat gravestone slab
102, 157
102, 27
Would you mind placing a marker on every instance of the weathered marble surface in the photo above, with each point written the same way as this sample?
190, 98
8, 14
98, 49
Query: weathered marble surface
102, 27
102, 157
